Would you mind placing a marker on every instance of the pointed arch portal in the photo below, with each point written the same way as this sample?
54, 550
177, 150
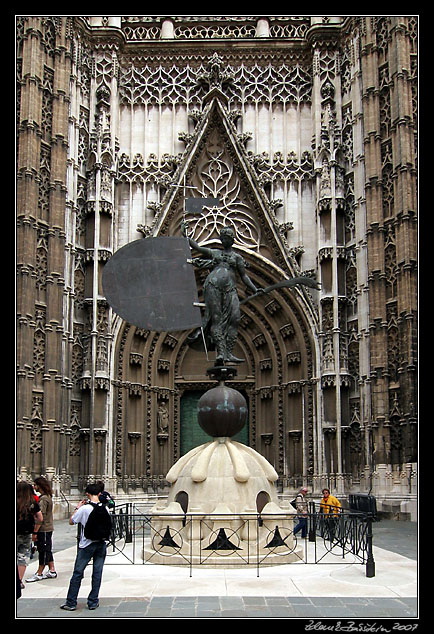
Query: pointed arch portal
161, 378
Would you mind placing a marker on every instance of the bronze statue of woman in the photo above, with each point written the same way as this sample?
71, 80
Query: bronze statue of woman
222, 306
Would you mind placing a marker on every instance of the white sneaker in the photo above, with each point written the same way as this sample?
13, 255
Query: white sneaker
34, 577
51, 574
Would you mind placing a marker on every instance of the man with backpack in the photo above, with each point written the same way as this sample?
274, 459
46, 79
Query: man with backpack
95, 530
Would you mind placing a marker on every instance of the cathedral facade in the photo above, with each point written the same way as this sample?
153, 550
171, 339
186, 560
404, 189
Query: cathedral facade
305, 130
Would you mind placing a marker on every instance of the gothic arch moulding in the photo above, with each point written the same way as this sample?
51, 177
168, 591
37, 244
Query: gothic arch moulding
155, 370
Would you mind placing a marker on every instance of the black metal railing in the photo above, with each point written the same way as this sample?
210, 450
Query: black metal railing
251, 539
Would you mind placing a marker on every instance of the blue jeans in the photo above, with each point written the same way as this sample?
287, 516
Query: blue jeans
97, 552
302, 525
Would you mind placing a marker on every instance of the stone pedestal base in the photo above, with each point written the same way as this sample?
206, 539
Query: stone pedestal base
238, 560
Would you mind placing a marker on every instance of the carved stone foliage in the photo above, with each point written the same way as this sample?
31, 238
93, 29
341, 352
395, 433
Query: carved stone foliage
387, 175
39, 342
77, 361
139, 28
41, 257
289, 168
44, 181
75, 429
36, 422
353, 353
355, 441
350, 214
180, 84
47, 103
393, 343
381, 25
351, 283
136, 170
390, 265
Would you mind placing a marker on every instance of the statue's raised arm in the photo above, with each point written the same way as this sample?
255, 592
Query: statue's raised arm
195, 245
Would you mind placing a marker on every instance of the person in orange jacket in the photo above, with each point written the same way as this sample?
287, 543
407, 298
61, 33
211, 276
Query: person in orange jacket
329, 504
331, 507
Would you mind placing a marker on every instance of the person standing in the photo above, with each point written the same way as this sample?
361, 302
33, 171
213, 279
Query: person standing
29, 519
45, 533
301, 505
87, 549
331, 508
329, 503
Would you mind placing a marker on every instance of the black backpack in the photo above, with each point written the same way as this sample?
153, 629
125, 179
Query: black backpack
106, 499
99, 524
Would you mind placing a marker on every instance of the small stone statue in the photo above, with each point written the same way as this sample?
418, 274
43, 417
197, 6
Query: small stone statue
162, 419
222, 307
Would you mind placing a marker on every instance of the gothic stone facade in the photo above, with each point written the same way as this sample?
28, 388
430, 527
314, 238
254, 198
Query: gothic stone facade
305, 128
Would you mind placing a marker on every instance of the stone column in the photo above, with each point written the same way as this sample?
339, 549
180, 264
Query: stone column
388, 58
326, 107
43, 138
102, 153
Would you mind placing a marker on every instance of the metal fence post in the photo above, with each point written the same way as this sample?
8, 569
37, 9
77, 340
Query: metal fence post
129, 531
370, 563
259, 522
312, 522
191, 543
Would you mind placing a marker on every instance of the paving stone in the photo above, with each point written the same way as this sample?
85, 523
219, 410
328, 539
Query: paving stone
130, 607
319, 601
207, 614
300, 600
158, 613
228, 607
337, 612
208, 601
356, 601
257, 609
233, 614
183, 613
281, 612
231, 602
307, 611
166, 601
254, 600
277, 601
